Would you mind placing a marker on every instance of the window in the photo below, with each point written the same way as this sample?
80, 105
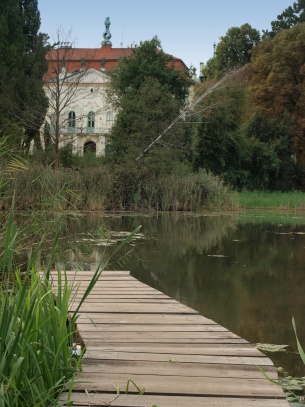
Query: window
52, 123
109, 119
91, 120
71, 119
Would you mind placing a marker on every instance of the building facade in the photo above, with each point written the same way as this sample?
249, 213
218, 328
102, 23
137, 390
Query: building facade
76, 84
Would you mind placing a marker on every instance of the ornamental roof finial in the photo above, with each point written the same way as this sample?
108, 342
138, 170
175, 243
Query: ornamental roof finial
107, 34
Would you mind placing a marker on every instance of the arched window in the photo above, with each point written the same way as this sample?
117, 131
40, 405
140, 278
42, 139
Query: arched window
90, 147
91, 122
109, 119
71, 119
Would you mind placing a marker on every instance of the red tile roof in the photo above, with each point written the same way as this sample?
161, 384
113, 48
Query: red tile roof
75, 58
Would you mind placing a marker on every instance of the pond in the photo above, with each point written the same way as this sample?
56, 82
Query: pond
245, 271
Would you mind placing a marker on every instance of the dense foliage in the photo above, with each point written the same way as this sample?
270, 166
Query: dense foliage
254, 134
22, 65
149, 93
233, 50
278, 81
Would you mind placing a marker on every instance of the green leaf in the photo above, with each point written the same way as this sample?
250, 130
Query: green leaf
300, 349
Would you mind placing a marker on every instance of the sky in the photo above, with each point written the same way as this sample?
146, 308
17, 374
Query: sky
187, 30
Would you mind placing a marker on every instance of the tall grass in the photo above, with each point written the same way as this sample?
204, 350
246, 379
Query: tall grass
36, 356
272, 200
36, 342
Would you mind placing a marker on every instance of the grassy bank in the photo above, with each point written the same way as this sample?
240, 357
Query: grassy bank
294, 200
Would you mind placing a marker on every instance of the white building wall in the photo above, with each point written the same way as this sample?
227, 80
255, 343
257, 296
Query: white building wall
89, 95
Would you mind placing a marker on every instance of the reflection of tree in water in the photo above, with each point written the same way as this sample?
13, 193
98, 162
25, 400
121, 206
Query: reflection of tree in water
253, 290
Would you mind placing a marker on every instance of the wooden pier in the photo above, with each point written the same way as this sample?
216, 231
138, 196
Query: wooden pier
143, 341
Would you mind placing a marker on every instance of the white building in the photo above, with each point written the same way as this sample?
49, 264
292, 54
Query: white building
76, 84
79, 114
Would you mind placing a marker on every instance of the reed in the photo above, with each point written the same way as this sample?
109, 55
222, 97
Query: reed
106, 188
36, 356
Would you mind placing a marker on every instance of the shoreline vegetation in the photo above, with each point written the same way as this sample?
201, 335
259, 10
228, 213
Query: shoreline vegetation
113, 188
116, 188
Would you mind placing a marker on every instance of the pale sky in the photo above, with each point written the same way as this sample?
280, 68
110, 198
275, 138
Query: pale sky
187, 30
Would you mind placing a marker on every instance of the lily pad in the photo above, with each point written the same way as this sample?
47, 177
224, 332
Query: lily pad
269, 347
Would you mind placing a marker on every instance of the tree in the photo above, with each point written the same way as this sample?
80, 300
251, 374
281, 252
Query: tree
272, 166
278, 81
288, 18
238, 143
22, 65
218, 148
148, 93
234, 49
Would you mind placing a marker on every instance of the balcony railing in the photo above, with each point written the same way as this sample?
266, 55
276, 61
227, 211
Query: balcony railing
82, 130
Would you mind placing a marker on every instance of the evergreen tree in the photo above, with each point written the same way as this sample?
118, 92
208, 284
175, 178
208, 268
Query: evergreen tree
22, 65
288, 18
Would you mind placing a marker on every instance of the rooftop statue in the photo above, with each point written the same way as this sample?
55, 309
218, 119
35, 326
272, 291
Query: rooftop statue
107, 34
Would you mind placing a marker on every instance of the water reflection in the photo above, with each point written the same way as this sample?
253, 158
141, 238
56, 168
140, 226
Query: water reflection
244, 272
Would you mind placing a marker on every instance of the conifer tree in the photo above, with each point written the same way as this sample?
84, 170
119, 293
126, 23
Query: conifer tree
22, 65
288, 18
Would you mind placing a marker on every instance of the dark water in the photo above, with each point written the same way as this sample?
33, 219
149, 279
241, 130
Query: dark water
246, 272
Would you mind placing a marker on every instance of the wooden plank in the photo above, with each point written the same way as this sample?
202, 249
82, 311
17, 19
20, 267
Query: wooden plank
98, 339
85, 322
97, 300
168, 337
136, 308
127, 318
148, 336
105, 273
119, 291
130, 400
100, 296
107, 354
177, 369
185, 349
87, 326
177, 385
